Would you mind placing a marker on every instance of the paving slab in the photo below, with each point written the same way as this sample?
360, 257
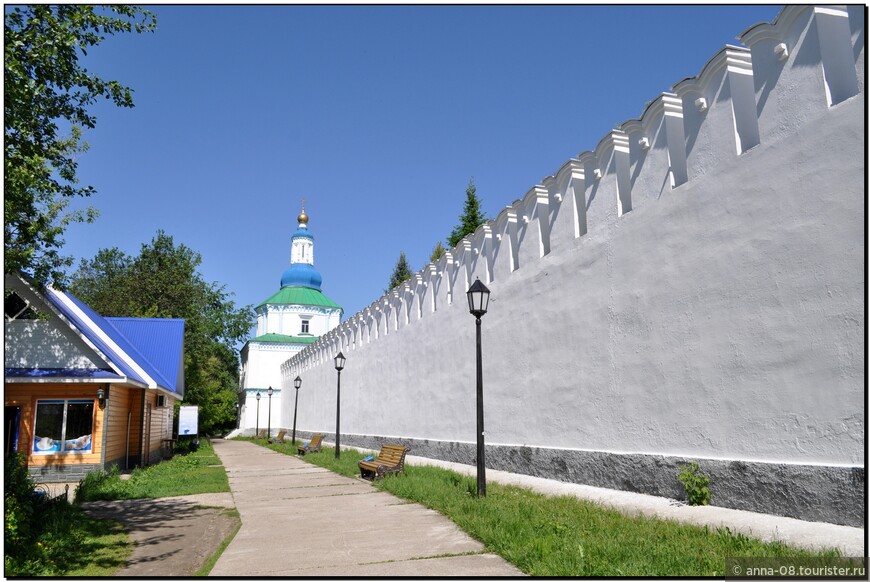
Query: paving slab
349, 528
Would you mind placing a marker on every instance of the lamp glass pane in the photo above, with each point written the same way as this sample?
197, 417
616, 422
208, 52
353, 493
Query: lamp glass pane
478, 297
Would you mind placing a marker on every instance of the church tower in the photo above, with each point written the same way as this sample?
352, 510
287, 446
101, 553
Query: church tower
297, 315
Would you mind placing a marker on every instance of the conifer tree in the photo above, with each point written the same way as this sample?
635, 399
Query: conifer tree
401, 273
437, 252
472, 216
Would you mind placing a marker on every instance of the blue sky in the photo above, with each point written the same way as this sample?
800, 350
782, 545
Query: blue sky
377, 115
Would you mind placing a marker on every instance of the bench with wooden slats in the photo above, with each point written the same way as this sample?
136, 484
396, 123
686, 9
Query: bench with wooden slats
391, 459
313, 446
279, 438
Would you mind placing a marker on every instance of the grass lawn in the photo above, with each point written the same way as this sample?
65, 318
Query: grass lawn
196, 472
104, 550
562, 536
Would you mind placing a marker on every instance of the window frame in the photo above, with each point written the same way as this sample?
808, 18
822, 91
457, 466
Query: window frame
306, 326
61, 446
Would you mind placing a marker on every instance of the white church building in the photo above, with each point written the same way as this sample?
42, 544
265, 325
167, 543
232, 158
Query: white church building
289, 320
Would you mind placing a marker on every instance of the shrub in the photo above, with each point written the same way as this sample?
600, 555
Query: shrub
695, 483
18, 504
39, 535
100, 485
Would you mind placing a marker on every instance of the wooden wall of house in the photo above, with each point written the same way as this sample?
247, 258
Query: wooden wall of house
120, 422
26, 395
161, 426
125, 405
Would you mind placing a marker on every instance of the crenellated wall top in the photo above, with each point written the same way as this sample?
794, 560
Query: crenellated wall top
507, 240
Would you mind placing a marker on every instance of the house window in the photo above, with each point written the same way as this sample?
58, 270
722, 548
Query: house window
63, 426
305, 326
15, 307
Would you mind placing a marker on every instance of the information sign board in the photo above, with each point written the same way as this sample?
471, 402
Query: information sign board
188, 417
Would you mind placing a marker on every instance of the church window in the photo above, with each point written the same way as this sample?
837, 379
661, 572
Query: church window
305, 326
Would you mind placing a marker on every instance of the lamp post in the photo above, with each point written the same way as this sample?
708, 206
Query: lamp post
269, 425
478, 301
297, 383
339, 365
257, 429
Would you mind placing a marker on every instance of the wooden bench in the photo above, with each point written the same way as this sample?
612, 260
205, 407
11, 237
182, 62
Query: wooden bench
313, 446
279, 438
391, 459
261, 434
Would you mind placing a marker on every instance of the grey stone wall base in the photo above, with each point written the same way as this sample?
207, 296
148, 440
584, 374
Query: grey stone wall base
61, 473
808, 492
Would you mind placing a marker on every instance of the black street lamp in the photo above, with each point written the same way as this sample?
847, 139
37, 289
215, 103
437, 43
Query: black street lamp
339, 365
269, 429
478, 301
257, 429
297, 383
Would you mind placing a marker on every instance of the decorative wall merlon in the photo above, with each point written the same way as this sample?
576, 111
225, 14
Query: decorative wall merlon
738, 61
573, 168
710, 71
673, 105
772, 30
620, 141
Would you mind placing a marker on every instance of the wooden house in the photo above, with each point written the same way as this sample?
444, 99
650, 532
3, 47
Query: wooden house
82, 391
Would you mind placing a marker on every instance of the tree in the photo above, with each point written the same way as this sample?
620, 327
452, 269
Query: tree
437, 252
46, 88
163, 281
471, 218
401, 273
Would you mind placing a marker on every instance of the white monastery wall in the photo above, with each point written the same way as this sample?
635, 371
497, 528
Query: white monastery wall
693, 288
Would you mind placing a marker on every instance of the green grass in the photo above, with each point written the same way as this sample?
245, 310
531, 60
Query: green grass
105, 550
564, 536
72, 544
195, 472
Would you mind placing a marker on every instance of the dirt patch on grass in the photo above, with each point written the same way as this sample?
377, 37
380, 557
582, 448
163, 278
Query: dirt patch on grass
172, 536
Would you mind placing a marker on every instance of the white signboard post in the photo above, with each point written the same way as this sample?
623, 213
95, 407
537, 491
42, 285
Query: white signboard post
188, 418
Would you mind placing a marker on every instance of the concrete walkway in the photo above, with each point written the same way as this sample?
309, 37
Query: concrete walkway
343, 527
301, 520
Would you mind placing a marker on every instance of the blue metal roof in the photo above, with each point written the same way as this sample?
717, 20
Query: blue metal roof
111, 338
161, 342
